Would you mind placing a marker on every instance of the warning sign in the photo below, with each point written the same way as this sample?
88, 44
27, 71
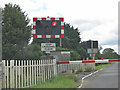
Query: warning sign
48, 47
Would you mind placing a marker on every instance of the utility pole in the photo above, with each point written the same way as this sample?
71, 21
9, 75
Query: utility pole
60, 42
92, 49
1, 16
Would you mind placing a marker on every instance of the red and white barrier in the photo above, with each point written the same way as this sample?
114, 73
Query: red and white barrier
89, 61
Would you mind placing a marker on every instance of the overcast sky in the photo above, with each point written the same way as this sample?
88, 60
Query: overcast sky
95, 19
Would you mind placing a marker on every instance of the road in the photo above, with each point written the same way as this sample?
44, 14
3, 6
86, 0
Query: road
0, 76
106, 78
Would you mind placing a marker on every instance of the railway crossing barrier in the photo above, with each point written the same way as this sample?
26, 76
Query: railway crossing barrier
89, 61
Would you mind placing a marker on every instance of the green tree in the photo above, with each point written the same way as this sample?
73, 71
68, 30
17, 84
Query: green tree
109, 53
32, 51
15, 31
74, 55
72, 37
108, 50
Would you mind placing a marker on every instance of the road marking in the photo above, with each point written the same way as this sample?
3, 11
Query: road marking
88, 76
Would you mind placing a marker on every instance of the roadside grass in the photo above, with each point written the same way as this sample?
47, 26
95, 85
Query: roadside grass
103, 65
79, 70
60, 81
88, 69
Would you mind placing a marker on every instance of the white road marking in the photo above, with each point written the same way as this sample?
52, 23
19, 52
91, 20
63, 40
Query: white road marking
88, 76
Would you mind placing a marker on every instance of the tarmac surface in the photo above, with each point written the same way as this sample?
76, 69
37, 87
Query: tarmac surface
106, 78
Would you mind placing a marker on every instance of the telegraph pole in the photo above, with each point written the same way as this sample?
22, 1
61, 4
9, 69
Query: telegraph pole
1, 16
60, 42
92, 49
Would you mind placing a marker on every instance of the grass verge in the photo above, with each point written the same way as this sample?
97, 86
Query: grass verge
103, 65
60, 81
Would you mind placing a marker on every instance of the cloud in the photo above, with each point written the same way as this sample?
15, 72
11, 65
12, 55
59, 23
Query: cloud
95, 19
84, 25
102, 32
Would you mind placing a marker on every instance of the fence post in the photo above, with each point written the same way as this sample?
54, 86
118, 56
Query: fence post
35, 71
44, 70
50, 68
27, 75
54, 66
7, 75
41, 64
22, 72
30, 72
11, 73
16, 74
3, 74
39, 72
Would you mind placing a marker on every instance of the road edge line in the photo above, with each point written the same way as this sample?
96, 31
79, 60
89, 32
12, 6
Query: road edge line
88, 76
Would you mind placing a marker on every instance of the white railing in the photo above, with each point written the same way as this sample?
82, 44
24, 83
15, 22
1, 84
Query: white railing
27, 73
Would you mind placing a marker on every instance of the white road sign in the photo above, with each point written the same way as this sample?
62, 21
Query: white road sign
65, 52
48, 47
94, 50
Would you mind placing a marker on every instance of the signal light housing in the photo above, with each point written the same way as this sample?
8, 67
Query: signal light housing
48, 27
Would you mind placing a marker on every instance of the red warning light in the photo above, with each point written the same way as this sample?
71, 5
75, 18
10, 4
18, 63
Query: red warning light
54, 23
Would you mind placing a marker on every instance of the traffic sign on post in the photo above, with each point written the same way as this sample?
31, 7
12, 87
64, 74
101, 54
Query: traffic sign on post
95, 44
48, 47
50, 27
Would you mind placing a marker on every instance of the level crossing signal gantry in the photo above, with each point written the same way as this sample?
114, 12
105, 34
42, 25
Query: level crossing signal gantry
50, 27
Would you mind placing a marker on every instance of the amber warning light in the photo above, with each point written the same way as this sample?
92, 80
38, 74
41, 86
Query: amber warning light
54, 23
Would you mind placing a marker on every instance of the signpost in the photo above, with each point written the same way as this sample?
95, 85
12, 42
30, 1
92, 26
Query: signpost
92, 48
47, 47
48, 27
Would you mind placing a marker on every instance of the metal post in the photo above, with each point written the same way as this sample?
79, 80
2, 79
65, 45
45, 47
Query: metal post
60, 42
1, 16
92, 49
54, 66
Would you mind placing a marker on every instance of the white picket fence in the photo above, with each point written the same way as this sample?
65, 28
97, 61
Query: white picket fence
27, 73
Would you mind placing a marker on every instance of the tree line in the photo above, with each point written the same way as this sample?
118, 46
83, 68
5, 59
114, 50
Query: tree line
16, 34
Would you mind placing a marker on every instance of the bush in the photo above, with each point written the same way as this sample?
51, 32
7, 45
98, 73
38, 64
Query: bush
74, 55
73, 71
79, 70
64, 71
88, 69
61, 49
